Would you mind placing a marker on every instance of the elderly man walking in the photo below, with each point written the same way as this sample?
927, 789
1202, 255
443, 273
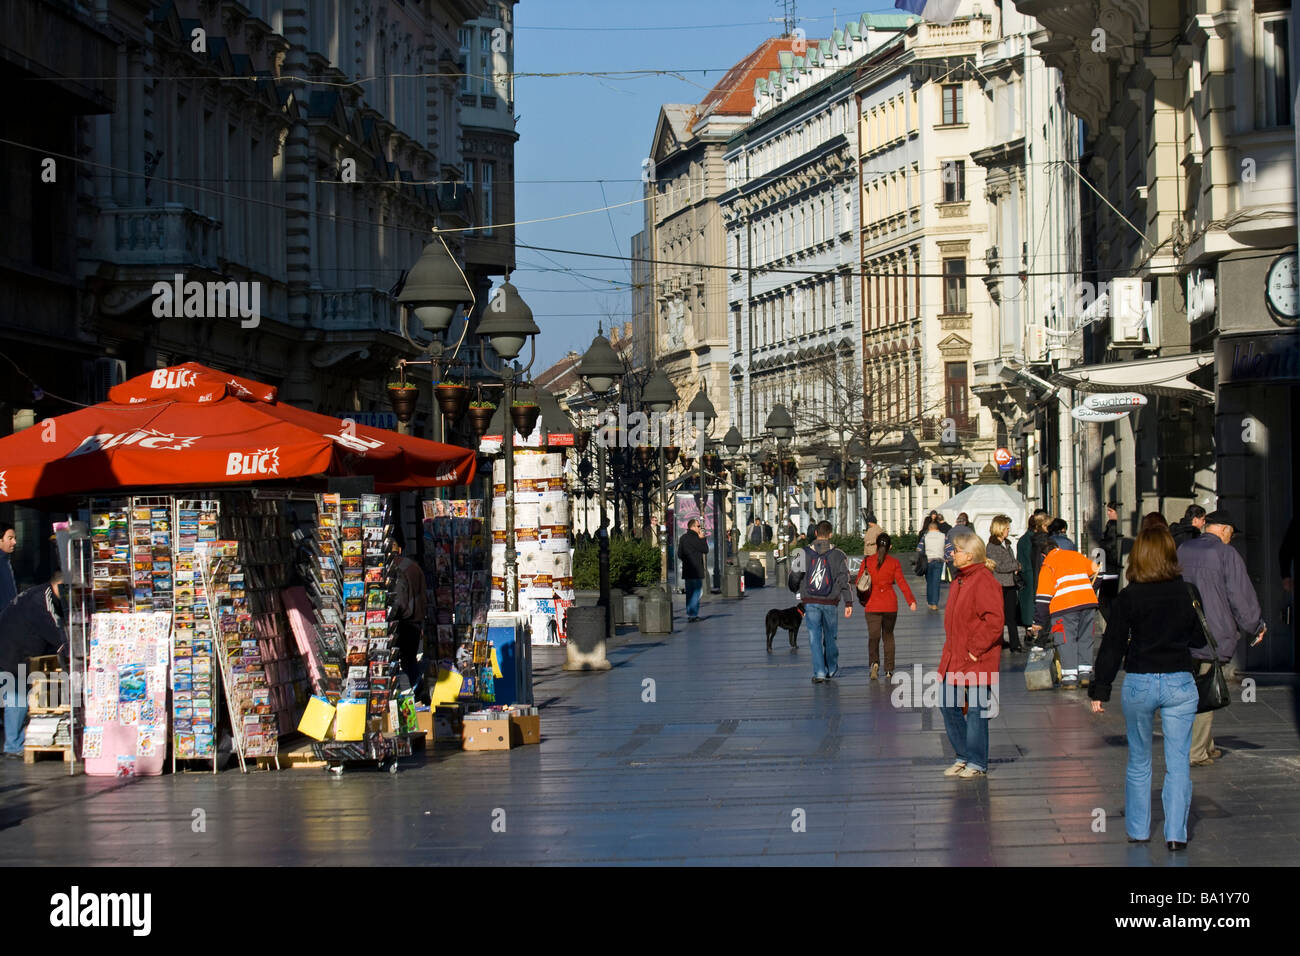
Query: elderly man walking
1230, 604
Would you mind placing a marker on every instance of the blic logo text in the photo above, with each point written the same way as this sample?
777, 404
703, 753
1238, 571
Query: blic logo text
264, 461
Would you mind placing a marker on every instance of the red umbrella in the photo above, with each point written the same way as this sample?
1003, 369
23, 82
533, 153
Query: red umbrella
192, 425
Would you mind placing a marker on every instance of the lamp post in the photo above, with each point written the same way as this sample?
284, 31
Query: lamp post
780, 426
949, 452
508, 325
703, 413
854, 453
659, 396
601, 368
434, 288
911, 450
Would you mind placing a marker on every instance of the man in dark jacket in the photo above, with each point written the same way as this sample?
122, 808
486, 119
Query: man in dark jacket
692, 548
8, 586
824, 570
755, 532
767, 532
1190, 527
29, 627
1108, 576
1230, 604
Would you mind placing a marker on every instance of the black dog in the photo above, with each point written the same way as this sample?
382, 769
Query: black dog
789, 618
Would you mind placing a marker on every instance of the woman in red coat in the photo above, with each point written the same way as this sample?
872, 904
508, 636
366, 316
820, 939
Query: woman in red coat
881, 606
972, 654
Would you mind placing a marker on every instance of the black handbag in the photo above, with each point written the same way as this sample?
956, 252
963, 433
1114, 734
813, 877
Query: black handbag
921, 564
1212, 686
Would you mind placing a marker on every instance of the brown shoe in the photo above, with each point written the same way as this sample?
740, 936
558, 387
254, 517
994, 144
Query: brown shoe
1203, 762
1215, 753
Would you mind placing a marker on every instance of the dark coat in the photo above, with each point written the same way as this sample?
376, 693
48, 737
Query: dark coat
1227, 594
8, 586
29, 627
692, 549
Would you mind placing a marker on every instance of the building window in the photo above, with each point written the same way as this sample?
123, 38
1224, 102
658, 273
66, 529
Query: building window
485, 57
466, 37
954, 286
953, 112
1272, 72
954, 180
956, 394
489, 206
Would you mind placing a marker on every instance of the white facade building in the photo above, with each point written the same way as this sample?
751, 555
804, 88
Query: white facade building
791, 214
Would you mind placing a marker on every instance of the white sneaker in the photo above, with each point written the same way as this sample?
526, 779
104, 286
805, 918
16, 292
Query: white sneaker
968, 772
956, 769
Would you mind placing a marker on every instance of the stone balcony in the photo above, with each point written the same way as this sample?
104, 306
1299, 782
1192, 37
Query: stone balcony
356, 310
170, 234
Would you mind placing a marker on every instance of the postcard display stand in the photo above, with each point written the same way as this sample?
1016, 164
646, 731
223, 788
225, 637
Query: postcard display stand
356, 532
195, 707
543, 544
266, 553
128, 654
456, 565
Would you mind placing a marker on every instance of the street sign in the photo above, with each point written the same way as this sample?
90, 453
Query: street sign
1092, 415
565, 439
1003, 458
1114, 401
386, 420
1006, 465
745, 499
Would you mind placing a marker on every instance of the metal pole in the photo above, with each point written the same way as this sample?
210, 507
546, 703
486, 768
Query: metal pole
663, 521
603, 535
508, 448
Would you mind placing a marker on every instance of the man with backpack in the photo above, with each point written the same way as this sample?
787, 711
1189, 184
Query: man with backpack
820, 573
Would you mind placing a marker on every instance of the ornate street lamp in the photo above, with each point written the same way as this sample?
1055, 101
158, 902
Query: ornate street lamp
434, 289
508, 326
703, 413
780, 426
601, 368
659, 396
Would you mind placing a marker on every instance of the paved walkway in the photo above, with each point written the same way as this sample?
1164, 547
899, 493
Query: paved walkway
737, 748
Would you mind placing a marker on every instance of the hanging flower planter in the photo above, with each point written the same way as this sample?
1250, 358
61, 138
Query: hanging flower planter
645, 454
452, 399
580, 439
480, 417
524, 415
403, 396
671, 453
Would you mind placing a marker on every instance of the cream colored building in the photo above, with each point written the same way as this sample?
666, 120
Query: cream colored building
926, 319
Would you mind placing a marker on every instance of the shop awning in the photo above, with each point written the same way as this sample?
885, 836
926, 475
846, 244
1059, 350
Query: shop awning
1166, 376
192, 426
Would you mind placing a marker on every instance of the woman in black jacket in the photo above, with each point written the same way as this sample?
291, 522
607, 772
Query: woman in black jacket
1151, 631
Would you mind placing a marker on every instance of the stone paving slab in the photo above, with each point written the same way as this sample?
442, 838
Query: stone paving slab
739, 760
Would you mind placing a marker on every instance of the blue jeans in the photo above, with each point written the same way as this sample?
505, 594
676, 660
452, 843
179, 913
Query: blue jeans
933, 575
1174, 695
694, 587
15, 719
823, 629
968, 732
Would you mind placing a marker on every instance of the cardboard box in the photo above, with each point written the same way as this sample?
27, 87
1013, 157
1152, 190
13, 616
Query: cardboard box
487, 735
525, 730
424, 724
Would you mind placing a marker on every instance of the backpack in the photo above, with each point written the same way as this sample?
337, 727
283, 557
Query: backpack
818, 582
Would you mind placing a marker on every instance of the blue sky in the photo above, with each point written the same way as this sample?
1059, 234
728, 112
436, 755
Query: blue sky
597, 130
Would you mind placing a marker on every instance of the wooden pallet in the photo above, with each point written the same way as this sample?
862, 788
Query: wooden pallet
32, 754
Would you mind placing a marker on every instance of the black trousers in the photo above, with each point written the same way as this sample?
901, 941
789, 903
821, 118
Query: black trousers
408, 647
1011, 611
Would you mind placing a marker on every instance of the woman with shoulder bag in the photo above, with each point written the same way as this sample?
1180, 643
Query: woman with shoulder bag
1005, 567
875, 586
1152, 628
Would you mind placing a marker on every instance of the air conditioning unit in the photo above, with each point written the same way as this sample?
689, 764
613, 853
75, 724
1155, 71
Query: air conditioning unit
1130, 313
1035, 344
106, 373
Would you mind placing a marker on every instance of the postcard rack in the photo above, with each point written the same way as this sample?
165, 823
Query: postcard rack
196, 708
253, 724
